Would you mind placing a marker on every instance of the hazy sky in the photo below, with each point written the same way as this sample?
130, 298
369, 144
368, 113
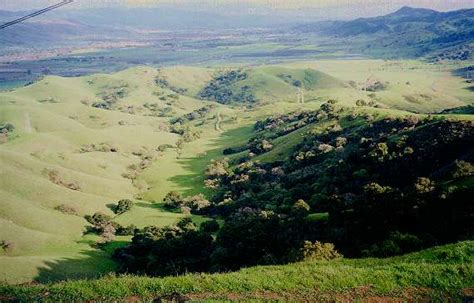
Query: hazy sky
325, 8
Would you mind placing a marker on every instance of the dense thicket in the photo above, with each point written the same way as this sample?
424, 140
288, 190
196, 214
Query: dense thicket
376, 187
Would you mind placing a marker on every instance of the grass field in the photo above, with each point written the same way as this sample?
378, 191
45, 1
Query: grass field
58, 130
438, 274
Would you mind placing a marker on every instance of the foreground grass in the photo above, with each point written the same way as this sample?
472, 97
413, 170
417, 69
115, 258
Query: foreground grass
442, 272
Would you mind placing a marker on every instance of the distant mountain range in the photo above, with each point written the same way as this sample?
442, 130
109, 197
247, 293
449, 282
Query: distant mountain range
411, 32
101, 23
408, 32
45, 30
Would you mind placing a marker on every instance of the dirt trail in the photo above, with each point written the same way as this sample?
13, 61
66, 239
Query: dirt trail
28, 127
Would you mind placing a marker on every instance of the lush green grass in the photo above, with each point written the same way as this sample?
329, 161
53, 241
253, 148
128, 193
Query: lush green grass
439, 272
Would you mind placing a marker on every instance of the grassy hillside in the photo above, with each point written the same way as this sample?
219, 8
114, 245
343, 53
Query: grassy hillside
442, 273
77, 141
61, 139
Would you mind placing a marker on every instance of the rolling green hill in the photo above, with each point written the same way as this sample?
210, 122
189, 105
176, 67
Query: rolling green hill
262, 84
64, 151
80, 144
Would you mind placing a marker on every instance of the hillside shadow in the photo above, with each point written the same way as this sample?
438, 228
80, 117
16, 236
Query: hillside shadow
192, 181
89, 264
149, 205
158, 206
463, 72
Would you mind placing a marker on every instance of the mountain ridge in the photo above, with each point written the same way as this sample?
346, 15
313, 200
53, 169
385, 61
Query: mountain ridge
407, 32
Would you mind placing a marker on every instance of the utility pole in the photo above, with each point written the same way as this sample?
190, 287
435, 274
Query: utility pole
300, 94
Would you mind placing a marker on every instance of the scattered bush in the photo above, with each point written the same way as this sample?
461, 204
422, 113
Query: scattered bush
6, 127
376, 86
98, 221
301, 207
196, 202
107, 234
173, 199
164, 147
55, 177
462, 169
123, 206
318, 251
7, 246
217, 168
100, 147
424, 185
65, 209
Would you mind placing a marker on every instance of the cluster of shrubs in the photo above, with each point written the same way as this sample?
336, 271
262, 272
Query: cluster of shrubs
281, 125
5, 130
376, 86
362, 102
186, 132
111, 96
163, 83
224, 89
100, 147
159, 111
200, 113
196, 203
146, 160
122, 206
104, 225
55, 177
67, 210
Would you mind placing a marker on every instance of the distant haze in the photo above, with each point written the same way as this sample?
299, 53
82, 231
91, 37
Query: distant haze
314, 9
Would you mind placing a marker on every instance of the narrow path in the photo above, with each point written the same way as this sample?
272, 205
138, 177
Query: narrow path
28, 127
218, 123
